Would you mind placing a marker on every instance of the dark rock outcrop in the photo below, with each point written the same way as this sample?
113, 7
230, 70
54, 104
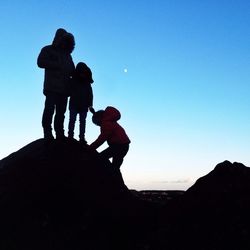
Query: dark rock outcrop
213, 214
226, 179
58, 195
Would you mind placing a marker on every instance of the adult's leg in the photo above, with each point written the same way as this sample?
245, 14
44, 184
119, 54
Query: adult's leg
72, 121
49, 108
61, 105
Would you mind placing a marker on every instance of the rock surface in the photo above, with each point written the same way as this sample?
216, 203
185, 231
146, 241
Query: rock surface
212, 214
59, 195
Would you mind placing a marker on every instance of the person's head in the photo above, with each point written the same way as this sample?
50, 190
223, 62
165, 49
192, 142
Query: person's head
58, 37
68, 42
83, 71
64, 40
97, 117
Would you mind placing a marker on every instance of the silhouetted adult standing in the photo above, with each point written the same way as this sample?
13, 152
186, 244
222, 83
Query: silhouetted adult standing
59, 67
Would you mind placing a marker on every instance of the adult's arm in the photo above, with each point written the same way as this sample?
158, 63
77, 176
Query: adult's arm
47, 59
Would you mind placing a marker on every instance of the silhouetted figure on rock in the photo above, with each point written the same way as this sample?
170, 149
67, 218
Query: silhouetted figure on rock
58, 64
81, 99
113, 133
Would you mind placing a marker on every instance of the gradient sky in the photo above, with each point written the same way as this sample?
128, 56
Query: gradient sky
178, 70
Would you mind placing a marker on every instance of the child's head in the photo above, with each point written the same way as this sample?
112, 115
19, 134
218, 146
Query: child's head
84, 71
97, 117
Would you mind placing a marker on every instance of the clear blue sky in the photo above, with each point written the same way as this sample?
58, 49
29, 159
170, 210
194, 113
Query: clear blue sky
177, 70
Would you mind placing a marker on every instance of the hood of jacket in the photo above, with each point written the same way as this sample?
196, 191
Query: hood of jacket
58, 37
83, 72
111, 114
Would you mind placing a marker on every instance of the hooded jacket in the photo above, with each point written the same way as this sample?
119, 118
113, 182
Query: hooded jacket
111, 131
58, 64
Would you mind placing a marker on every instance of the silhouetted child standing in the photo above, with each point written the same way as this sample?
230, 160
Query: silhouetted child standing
81, 99
113, 133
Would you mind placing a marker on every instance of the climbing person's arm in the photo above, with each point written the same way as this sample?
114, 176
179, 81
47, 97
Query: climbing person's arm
105, 133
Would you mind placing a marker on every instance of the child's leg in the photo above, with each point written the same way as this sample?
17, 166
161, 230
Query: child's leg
107, 153
72, 120
119, 152
82, 124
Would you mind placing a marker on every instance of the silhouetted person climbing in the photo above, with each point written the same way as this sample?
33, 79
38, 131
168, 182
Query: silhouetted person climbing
58, 64
81, 99
113, 133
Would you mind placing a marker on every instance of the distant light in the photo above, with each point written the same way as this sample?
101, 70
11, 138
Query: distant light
125, 70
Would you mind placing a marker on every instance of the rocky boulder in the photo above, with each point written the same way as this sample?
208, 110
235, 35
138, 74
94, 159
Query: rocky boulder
59, 195
212, 214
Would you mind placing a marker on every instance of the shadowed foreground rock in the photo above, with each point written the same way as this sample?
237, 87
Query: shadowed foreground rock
59, 196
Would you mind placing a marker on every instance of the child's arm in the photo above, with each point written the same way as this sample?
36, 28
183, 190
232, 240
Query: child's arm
105, 133
92, 110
